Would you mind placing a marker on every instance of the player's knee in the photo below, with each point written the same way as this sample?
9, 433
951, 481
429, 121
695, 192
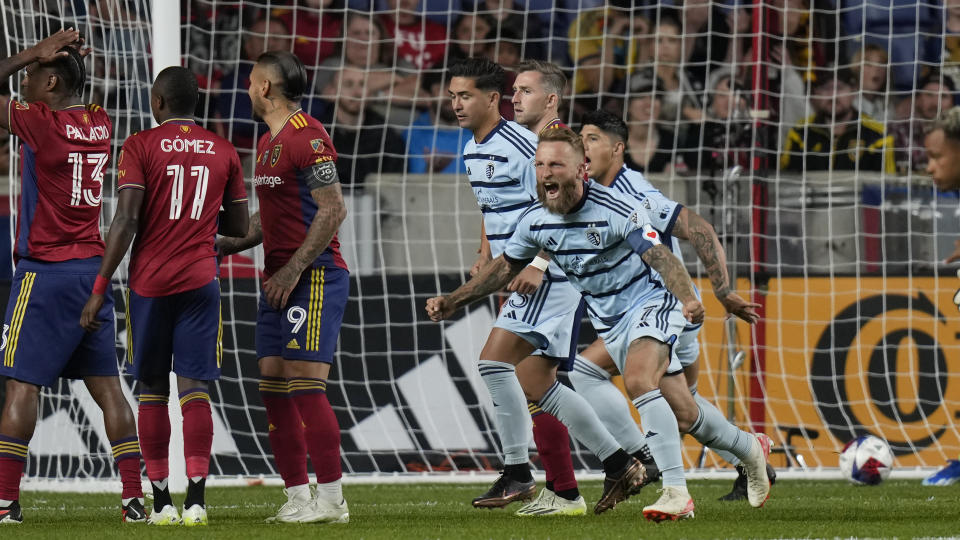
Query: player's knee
638, 384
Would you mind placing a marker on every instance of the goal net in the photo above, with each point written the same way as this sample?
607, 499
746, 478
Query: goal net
794, 126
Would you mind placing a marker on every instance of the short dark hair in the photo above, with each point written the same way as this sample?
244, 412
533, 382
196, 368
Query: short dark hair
178, 86
70, 71
552, 76
487, 75
565, 135
291, 71
608, 123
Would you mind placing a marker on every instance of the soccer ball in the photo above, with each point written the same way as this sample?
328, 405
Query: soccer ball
866, 460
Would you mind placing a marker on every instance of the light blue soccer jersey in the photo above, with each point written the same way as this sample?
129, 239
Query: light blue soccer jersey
662, 211
501, 173
598, 246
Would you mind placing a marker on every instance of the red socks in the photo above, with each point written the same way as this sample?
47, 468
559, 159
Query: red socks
553, 445
197, 431
13, 458
153, 424
285, 431
126, 452
321, 430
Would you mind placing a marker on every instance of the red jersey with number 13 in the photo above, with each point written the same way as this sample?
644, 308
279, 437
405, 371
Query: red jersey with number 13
186, 173
63, 155
286, 207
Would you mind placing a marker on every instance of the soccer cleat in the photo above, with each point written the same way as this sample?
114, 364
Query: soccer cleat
293, 509
949, 474
739, 491
11, 515
651, 473
549, 503
133, 512
505, 491
758, 485
323, 511
194, 516
165, 516
618, 488
674, 504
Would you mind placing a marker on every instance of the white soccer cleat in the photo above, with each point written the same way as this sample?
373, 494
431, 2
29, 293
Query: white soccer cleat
194, 516
758, 485
167, 515
549, 504
294, 508
674, 504
323, 511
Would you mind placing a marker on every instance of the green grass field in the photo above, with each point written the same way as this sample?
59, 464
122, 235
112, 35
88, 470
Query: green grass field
797, 508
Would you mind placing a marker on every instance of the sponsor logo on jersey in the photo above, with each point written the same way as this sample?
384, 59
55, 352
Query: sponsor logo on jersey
577, 264
593, 235
195, 146
275, 155
269, 181
487, 201
317, 145
93, 133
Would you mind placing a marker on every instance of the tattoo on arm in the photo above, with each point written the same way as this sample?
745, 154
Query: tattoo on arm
493, 277
674, 274
705, 242
331, 211
254, 237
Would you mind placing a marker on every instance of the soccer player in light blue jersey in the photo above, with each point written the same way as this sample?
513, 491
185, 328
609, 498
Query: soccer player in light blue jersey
604, 135
499, 166
639, 295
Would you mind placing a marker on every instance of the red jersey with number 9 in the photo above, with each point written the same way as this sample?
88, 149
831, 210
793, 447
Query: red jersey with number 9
186, 173
63, 156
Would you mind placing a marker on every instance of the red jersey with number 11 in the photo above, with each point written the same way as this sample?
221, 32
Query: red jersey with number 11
186, 173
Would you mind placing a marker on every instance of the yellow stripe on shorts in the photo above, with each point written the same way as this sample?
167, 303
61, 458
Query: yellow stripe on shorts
16, 322
315, 309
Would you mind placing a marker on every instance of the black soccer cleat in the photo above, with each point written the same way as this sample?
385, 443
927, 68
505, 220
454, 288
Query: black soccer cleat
651, 473
133, 512
739, 491
505, 491
618, 488
11, 515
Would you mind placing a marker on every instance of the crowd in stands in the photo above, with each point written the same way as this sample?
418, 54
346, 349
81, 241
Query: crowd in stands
845, 85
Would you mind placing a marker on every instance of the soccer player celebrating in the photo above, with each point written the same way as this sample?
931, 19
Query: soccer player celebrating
172, 181
943, 151
65, 147
536, 101
604, 136
498, 159
305, 292
606, 246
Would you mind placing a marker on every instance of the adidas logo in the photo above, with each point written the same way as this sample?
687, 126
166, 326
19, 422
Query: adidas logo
650, 433
293, 344
271, 427
551, 242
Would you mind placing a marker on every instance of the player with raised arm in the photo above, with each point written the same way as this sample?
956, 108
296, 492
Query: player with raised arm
64, 149
173, 180
536, 101
943, 152
499, 167
604, 136
306, 287
638, 294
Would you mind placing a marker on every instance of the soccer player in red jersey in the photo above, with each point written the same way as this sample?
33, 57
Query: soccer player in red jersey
65, 147
173, 180
305, 292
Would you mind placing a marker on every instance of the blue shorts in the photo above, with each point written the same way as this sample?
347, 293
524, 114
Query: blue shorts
181, 332
42, 338
308, 327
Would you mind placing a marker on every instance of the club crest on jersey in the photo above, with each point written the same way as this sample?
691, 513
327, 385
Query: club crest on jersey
317, 145
489, 170
593, 235
275, 155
